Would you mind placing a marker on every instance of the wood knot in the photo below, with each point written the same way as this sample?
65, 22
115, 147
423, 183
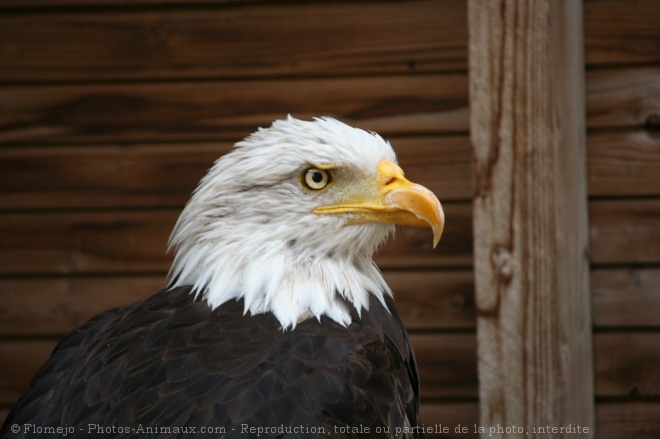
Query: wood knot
502, 262
652, 122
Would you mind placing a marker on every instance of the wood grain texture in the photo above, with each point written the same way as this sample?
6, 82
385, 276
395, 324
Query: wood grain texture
432, 300
447, 365
374, 38
626, 364
625, 297
54, 306
621, 32
228, 110
623, 98
85, 242
321, 39
636, 420
530, 213
613, 223
624, 163
118, 176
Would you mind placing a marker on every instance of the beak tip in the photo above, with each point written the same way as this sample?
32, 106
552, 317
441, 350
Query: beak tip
438, 227
437, 234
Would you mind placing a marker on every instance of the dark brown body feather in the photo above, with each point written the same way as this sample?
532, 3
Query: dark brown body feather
171, 362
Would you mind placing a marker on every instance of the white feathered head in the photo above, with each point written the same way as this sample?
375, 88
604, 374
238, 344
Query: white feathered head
289, 220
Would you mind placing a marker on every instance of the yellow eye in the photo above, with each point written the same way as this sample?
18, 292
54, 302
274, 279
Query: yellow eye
316, 179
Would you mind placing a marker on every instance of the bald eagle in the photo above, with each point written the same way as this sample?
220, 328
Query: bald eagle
275, 322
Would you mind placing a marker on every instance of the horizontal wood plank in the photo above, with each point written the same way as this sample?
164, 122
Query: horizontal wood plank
622, 163
625, 297
625, 365
326, 38
80, 242
426, 300
447, 365
56, 306
636, 420
621, 232
431, 300
623, 98
621, 32
228, 110
264, 39
624, 231
104, 176
142, 175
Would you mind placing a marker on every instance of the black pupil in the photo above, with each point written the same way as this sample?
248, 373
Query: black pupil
317, 177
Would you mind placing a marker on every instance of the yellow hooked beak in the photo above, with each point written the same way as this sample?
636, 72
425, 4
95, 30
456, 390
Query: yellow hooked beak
396, 201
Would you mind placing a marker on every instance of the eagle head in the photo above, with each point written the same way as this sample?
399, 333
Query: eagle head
289, 221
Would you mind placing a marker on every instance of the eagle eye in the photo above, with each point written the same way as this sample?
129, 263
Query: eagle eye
315, 179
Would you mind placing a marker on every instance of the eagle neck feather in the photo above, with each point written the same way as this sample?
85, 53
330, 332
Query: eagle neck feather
292, 287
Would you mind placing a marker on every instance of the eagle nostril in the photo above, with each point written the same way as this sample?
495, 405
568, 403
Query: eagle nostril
392, 180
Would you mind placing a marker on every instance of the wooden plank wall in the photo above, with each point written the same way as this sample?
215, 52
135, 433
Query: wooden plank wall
111, 111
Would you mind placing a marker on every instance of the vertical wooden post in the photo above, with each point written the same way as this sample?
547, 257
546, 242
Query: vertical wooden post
530, 217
